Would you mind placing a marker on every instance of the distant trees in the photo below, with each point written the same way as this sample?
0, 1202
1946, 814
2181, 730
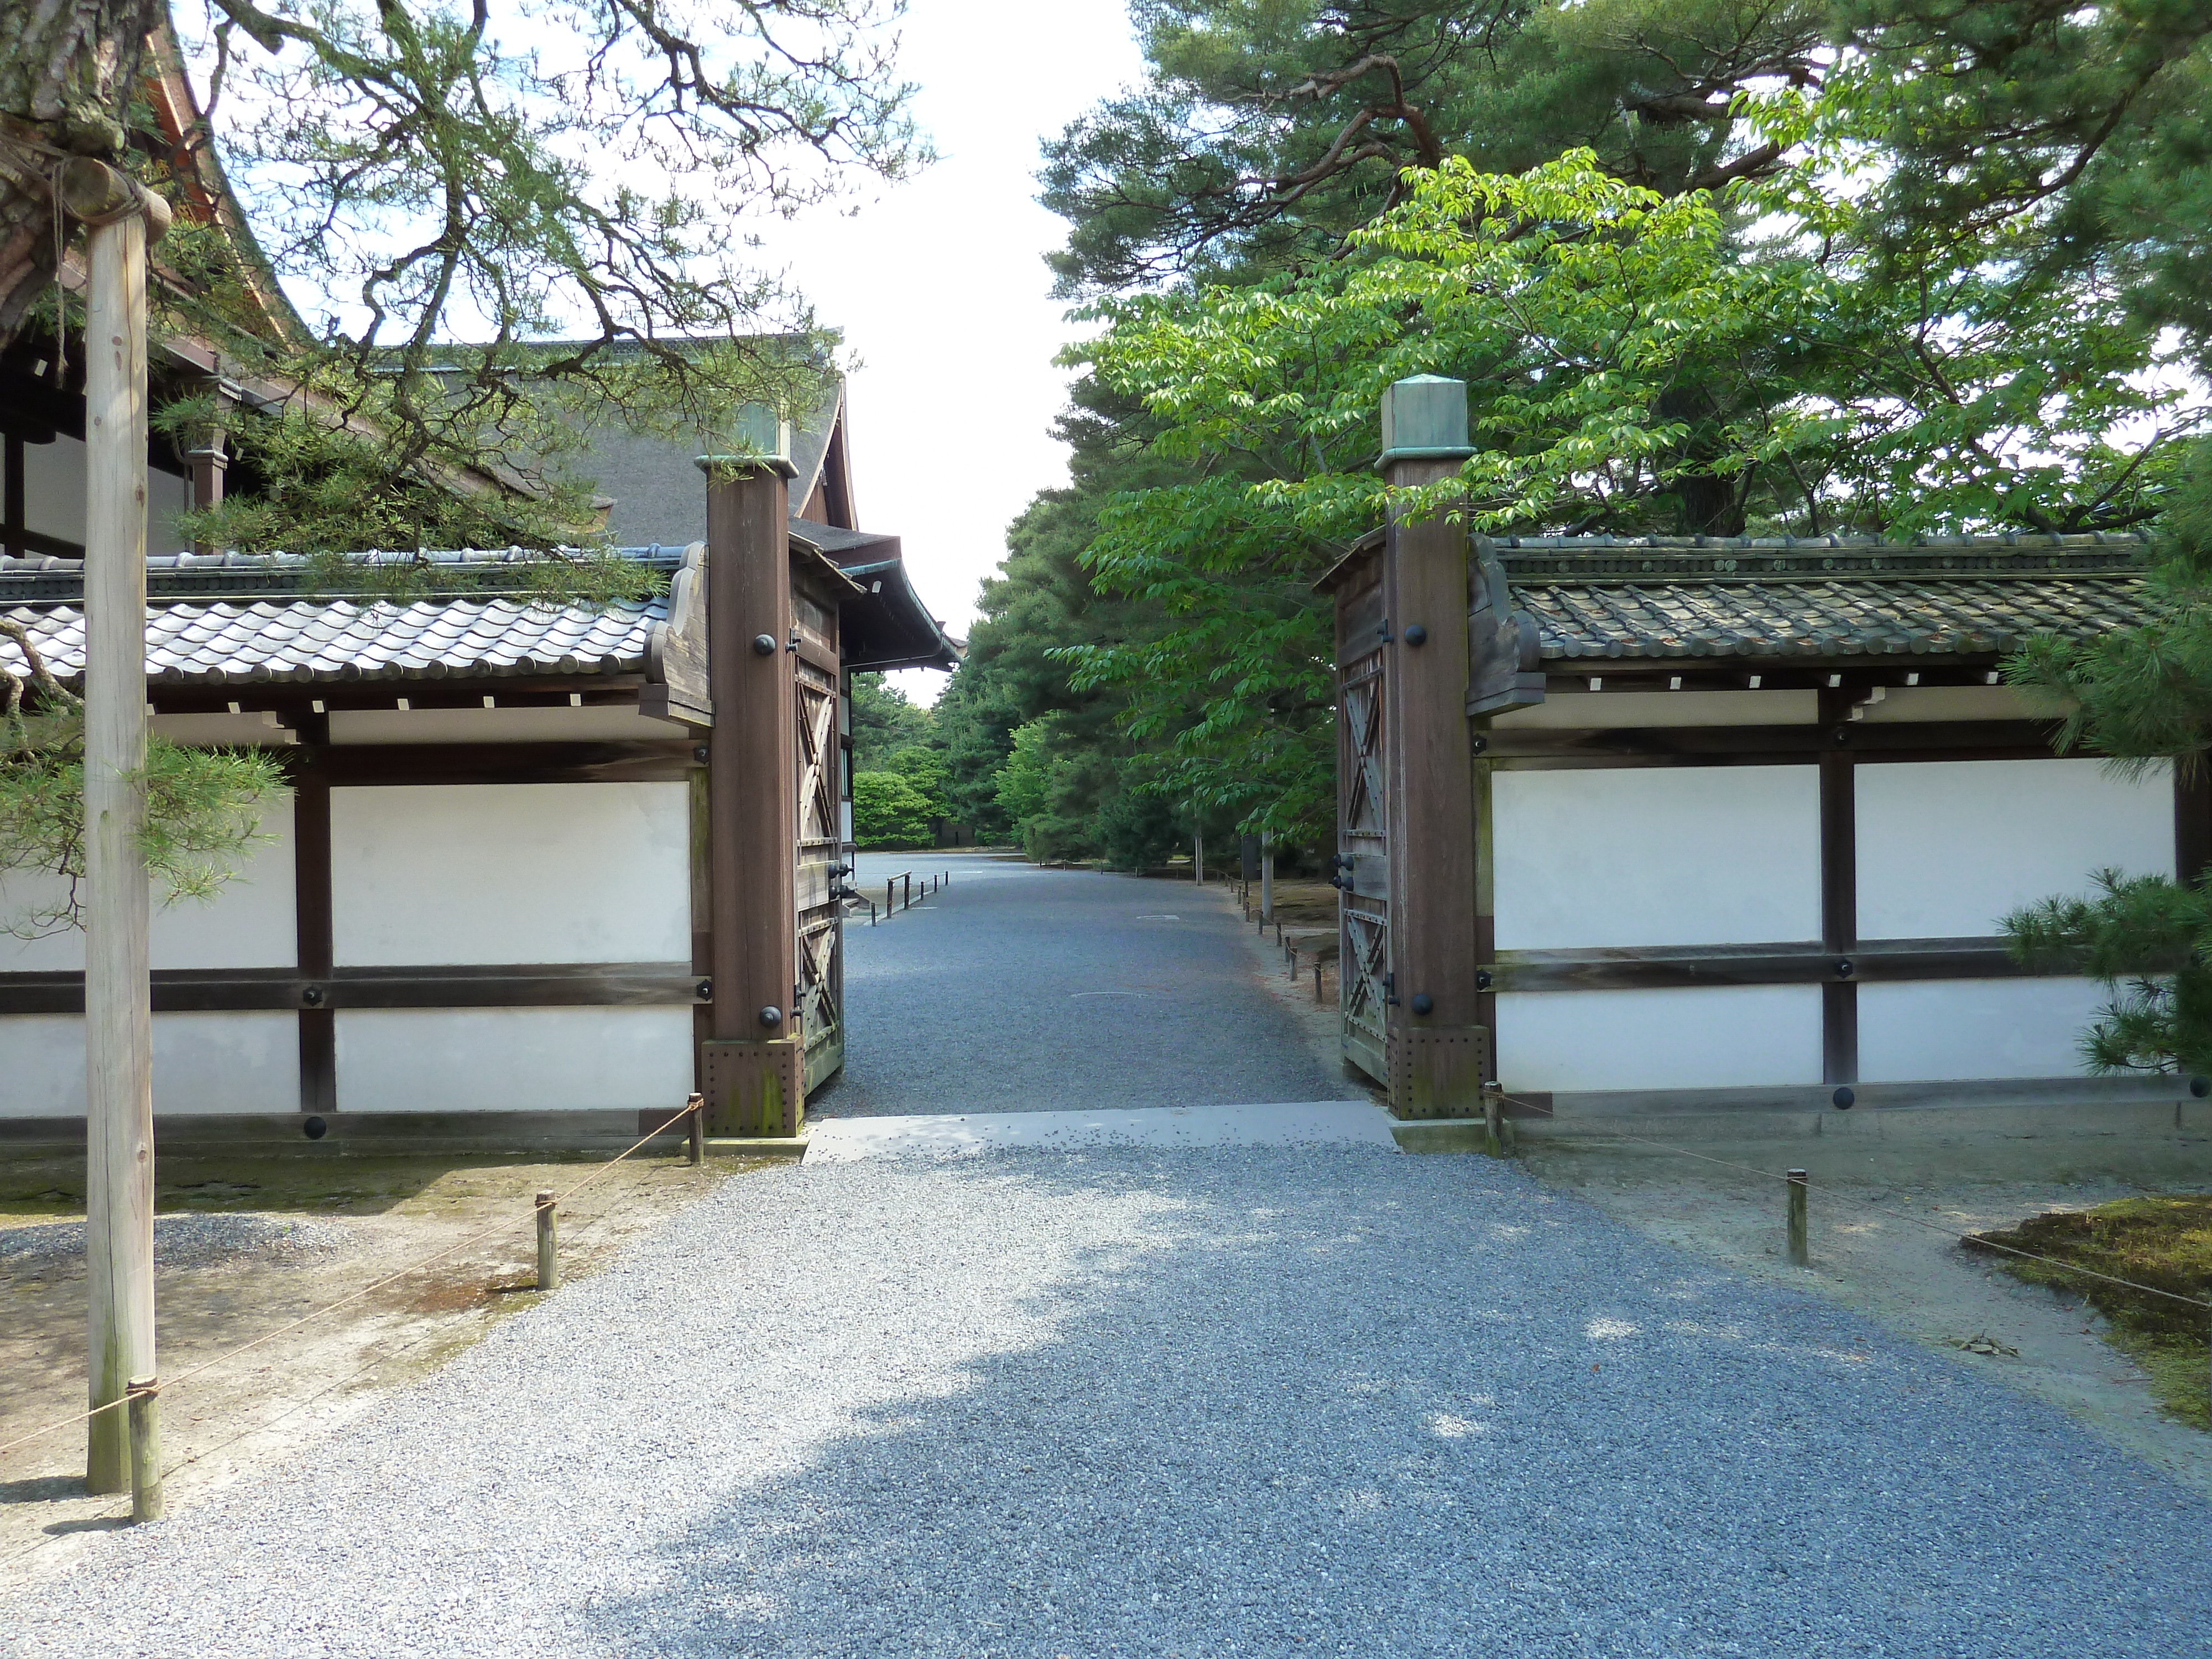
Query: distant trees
1906, 265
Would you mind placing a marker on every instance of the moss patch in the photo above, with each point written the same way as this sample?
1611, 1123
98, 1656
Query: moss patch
2162, 1243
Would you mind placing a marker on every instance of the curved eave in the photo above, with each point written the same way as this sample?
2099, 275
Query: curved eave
887, 626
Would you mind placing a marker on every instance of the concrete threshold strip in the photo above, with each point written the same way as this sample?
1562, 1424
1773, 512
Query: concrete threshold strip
1299, 1123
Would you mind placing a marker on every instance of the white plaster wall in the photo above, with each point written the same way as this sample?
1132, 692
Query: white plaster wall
498, 726
1670, 855
1723, 1037
510, 1060
1957, 702
53, 495
1597, 710
166, 496
53, 488
249, 923
1976, 1028
1947, 847
245, 1062
511, 872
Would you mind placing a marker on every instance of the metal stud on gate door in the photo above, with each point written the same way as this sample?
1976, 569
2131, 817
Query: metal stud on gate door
771, 1017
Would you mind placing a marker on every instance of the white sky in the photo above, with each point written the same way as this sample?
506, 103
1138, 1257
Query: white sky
941, 287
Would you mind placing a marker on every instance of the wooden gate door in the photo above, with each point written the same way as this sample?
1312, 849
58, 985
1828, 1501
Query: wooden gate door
1363, 828
821, 851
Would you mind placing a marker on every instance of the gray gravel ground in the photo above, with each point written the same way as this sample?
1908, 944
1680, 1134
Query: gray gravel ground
1245, 1403
186, 1241
946, 1004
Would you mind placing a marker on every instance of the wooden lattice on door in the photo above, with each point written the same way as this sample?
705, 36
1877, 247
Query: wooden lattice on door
1362, 830
821, 849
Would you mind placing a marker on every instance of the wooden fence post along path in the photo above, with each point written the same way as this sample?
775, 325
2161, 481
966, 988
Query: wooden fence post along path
1416, 654
120, 219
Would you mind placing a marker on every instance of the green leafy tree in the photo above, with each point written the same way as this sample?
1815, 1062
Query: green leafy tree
1631, 367
884, 721
924, 767
890, 812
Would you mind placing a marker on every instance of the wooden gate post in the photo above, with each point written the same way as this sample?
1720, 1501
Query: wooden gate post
121, 220
750, 1067
1436, 1052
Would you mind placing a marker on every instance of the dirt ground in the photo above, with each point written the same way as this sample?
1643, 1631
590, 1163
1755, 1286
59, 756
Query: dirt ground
388, 1211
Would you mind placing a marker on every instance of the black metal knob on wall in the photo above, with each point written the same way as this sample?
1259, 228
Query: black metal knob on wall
1423, 1002
771, 1017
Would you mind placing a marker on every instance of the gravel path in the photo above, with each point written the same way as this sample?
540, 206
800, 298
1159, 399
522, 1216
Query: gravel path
1142, 988
1195, 1403
186, 1241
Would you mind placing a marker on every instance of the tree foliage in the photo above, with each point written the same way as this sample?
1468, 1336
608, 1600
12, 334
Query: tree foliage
202, 807
889, 812
1854, 265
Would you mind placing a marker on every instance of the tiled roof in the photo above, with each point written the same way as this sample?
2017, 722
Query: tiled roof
1689, 597
264, 631
343, 640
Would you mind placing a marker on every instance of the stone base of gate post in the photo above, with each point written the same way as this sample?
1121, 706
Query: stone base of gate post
1437, 1071
754, 1087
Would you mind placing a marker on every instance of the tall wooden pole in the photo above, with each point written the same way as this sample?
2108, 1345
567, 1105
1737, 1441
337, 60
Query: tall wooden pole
753, 1066
1436, 1048
119, 1035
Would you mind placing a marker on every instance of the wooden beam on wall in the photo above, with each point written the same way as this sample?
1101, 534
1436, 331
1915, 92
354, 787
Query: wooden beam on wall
363, 765
1806, 962
2192, 819
312, 913
1540, 748
1839, 887
430, 986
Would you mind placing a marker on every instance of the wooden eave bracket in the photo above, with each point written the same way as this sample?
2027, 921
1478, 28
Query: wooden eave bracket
1505, 654
677, 687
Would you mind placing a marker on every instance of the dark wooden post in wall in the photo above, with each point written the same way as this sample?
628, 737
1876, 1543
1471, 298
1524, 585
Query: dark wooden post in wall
1839, 888
312, 910
752, 1067
1437, 1051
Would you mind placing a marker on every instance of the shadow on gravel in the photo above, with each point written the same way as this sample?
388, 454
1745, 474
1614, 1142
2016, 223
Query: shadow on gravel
1394, 1407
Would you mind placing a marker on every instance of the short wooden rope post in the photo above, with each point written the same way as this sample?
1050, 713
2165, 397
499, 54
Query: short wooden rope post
1316, 978
890, 896
1799, 1257
1493, 1128
549, 1255
143, 1395
696, 1109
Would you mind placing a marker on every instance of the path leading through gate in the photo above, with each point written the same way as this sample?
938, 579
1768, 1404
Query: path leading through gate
1020, 989
1168, 1403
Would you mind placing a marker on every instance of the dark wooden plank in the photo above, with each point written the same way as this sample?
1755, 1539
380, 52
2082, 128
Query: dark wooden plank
752, 785
356, 766
1768, 745
1436, 1050
487, 985
312, 910
2192, 818
1839, 883
1807, 963
598, 690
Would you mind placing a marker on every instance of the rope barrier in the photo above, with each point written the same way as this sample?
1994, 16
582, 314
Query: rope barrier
1868, 1204
693, 1105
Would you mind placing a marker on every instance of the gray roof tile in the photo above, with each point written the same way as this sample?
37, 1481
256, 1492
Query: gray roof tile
1607, 597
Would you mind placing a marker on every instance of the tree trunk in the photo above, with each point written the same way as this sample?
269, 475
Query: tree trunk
68, 69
